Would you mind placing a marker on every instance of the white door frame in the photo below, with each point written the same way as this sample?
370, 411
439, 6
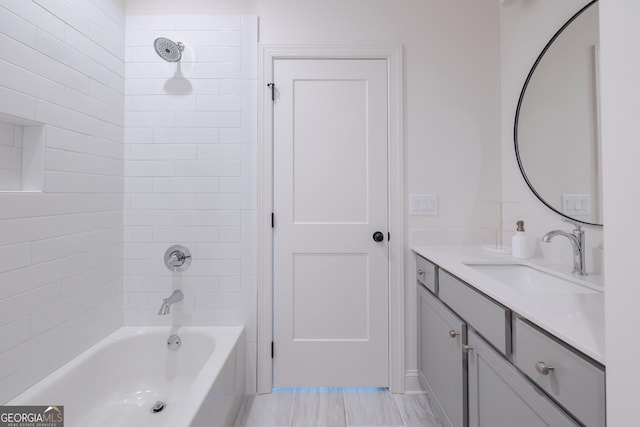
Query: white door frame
393, 55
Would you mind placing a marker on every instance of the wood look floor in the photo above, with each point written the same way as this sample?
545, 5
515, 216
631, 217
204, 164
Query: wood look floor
336, 408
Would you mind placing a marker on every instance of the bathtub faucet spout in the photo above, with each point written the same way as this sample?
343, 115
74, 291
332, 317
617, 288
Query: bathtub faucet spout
165, 308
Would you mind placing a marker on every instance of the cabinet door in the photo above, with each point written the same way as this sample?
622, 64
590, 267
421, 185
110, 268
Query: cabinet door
499, 396
440, 358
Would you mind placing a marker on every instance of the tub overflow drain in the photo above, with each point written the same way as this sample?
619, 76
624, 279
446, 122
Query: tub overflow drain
174, 342
158, 407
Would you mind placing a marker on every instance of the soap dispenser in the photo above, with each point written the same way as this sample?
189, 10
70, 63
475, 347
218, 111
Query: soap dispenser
520, 242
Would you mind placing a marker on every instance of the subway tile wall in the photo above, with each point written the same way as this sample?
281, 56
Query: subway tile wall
61, 67
190, 171
10, 156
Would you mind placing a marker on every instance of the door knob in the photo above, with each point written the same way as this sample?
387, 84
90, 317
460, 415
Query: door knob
378, 236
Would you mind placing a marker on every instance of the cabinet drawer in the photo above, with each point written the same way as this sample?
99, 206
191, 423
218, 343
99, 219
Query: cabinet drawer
426, 273
574, 382
490, 319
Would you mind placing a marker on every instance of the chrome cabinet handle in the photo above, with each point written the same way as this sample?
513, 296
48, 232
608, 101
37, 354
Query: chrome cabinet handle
466, 348
420, 272
543, 368
453, 333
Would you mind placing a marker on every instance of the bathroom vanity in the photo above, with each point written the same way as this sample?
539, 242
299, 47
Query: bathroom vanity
503, 341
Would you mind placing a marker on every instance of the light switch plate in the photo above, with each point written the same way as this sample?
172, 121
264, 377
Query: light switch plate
423, 204
576, 204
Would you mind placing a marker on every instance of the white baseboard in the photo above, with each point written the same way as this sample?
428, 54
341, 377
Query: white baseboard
412, 382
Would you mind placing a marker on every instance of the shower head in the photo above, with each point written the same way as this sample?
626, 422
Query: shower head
168, 49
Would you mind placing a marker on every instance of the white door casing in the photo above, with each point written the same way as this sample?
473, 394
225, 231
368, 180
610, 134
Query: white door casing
392, 55
330, 196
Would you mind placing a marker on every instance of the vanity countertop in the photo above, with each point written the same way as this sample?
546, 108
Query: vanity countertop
577, 319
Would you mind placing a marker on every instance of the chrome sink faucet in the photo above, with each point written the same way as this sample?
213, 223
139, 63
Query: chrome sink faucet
165, 308
576, 237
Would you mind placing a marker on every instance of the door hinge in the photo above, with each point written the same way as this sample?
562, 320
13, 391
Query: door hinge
273, 220
272, 86
272, 350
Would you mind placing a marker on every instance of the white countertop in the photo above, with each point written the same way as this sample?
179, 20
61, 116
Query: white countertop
577, 319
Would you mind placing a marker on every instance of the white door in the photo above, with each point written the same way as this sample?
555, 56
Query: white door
331, 278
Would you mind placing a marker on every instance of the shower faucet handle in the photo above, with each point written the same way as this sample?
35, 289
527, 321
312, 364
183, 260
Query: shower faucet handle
177, 258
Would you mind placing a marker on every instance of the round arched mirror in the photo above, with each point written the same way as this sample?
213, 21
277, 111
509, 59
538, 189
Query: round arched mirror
556, 126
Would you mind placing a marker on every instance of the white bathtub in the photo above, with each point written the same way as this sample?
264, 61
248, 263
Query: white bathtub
116, 382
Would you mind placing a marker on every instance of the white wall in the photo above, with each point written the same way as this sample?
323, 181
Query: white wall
190, 135
452, 80
620, 68
526, 27
190, 170
62, 66
11, 137
452, 92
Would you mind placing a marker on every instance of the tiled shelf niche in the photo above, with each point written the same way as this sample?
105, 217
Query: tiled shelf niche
21, 154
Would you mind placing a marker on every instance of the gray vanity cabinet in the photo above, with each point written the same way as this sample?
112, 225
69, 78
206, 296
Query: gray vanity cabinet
499, 395
481, 373
440, 358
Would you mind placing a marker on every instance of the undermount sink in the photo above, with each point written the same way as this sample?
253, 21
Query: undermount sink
529, 280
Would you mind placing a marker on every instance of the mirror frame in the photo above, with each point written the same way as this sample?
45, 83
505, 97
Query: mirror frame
520, 99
